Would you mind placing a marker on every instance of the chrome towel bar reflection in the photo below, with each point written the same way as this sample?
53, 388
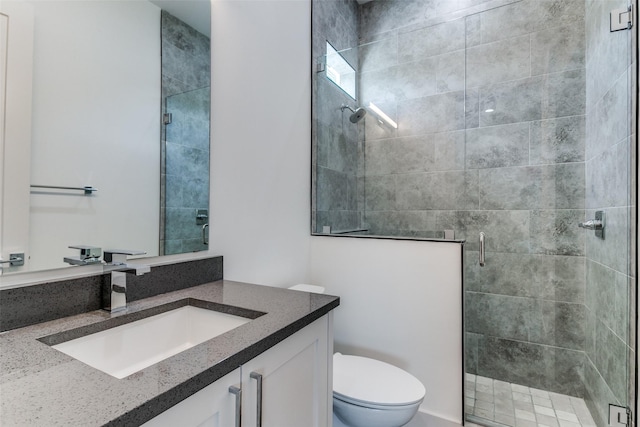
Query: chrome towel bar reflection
15, 260
88, 190
481, 249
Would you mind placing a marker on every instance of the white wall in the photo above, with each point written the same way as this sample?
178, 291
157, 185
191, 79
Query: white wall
85, 52
401, 300
260, 142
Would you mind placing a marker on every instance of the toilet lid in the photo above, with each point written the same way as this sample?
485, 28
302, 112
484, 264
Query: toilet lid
365, 380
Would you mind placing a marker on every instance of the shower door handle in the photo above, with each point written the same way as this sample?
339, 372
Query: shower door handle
481, 249
597, 224
205, 241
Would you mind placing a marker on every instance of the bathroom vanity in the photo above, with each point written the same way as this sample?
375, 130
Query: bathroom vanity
276, 366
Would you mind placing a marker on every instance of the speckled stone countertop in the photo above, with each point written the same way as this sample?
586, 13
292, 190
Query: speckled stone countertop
41, 386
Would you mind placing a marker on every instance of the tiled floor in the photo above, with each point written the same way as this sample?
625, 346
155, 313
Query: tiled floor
520, 406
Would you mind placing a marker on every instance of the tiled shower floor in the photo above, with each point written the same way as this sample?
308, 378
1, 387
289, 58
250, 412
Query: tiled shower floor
520, 406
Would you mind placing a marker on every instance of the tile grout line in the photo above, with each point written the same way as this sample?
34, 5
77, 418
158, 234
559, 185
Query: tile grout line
524, 406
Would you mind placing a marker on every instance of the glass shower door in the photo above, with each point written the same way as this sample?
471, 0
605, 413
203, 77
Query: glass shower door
548, 144
185, 209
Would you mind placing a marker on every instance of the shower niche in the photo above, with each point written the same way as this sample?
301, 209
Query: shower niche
338, 70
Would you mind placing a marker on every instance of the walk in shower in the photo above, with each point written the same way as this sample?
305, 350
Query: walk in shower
510, 118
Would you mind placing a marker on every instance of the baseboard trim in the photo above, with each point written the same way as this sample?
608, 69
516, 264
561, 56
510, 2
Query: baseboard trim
427, 419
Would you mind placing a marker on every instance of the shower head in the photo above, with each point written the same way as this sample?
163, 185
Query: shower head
357, 115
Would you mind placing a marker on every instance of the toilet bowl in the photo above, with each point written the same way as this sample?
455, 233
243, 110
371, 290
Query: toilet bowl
368, 392
371, 393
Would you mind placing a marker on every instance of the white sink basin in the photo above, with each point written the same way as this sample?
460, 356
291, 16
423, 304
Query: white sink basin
129, 348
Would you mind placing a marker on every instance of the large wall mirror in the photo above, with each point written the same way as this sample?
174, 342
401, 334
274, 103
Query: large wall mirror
119, 101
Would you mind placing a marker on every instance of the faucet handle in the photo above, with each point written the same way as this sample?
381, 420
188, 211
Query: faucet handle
120, 255
89, 255
88, 251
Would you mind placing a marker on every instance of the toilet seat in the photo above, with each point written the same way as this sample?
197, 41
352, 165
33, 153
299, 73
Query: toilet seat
374, 384
369, 405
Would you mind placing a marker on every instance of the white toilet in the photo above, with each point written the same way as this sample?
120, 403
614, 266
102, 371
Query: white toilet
368, 392
371, 393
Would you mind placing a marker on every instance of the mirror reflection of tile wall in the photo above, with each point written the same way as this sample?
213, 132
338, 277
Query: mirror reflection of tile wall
185, 140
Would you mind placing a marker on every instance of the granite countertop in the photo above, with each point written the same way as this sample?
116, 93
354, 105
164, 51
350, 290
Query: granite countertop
42, 386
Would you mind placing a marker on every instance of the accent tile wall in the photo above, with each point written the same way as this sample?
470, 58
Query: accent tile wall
336, 144
518, 91
610, 278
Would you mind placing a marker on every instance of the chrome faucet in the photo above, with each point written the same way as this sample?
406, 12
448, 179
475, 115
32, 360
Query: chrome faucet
88, 255
114, 296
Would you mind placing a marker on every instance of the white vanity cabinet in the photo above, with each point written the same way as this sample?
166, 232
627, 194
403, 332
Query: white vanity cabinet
213, 406
295, 376
295, 387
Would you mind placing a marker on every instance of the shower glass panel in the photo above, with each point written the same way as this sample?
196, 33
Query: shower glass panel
395, 170
338, 151
512, 119
186, 171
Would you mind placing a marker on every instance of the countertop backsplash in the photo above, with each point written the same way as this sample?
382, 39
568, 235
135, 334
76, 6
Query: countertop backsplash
29, 305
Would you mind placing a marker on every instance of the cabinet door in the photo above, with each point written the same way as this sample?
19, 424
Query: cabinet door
296, 388
213, 406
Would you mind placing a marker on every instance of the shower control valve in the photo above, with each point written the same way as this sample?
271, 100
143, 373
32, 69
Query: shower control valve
596, 224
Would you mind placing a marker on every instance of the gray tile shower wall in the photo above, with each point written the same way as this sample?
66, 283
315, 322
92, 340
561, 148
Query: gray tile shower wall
542, 366
610, 346
336, 145
185, 155
491, 108
540, 121
49, 301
